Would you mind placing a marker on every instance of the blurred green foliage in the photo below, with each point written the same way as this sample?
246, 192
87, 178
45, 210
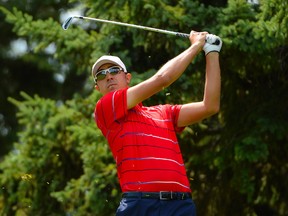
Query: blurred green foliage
236, 160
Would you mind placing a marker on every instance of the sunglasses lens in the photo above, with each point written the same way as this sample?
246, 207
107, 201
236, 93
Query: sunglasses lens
114, 71
102, 74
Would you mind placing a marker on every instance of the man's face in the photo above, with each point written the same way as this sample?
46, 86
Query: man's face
112, 82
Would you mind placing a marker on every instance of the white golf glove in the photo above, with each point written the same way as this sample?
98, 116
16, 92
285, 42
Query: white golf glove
213, 44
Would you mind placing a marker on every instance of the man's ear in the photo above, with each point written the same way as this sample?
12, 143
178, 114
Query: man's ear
97, 87
128, 77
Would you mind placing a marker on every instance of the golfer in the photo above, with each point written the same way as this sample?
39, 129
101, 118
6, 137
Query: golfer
143, 139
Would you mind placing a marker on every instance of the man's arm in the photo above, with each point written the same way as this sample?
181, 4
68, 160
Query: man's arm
195, 112
168, 73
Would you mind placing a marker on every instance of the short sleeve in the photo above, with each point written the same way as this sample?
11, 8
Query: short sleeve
111, 108
175, 110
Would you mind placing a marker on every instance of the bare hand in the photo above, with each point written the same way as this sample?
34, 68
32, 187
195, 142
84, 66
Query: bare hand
198, 38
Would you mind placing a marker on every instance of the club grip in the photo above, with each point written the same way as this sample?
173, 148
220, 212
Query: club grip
182, 35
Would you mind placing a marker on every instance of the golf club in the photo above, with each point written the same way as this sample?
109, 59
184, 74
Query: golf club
209, 38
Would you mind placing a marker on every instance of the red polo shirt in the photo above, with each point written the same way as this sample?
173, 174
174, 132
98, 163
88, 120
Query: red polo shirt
143, 143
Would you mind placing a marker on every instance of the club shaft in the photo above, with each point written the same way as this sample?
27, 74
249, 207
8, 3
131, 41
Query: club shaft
134, 26
67, 23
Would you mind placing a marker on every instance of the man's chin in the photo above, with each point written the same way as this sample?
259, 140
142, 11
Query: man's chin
112, 88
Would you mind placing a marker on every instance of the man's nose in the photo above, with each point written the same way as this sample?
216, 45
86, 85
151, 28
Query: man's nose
109, 76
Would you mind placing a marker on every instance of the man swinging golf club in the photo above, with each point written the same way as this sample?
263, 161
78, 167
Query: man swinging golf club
143, 139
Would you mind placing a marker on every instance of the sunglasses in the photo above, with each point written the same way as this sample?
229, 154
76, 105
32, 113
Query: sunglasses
101, 75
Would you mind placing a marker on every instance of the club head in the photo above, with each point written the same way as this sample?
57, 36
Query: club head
67, 23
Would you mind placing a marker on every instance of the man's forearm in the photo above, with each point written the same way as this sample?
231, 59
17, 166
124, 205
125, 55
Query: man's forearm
174, 68
213, 82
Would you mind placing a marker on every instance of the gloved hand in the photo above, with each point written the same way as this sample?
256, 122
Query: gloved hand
213, 44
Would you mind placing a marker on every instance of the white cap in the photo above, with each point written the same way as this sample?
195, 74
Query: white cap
107, 59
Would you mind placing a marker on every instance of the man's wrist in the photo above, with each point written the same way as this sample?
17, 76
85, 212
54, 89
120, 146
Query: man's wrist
215, 53
197, 47
212, 57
